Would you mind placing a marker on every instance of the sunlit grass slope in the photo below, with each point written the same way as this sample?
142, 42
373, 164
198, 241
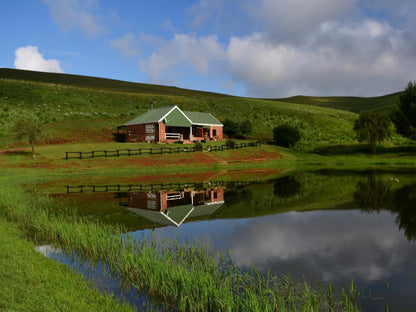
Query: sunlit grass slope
88, 109
348, 103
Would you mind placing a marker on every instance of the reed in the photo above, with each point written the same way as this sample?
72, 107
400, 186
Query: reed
186, 277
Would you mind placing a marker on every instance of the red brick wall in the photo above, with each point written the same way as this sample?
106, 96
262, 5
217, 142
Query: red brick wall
219, 134
162, 128
137, 133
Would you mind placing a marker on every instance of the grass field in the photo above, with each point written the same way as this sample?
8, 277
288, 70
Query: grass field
85, 109
353, 104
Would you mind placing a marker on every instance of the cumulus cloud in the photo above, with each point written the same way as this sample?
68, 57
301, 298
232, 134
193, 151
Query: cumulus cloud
367, 58
29, 58
69, 14
128, 45
184, 51
284, 48
295, 19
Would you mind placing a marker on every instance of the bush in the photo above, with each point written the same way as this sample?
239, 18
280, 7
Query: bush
230, 143
286, 135
198, 147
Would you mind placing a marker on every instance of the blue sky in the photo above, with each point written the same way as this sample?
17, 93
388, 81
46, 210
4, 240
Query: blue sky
259, 48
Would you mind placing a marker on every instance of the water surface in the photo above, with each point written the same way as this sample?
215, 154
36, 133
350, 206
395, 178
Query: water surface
321, 227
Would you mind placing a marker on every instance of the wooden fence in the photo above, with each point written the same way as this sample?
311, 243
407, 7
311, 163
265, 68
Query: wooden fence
154, 151
151, 187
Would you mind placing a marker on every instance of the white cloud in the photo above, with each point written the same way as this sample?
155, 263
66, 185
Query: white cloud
128, 45
29, 58
295, 19
315, 47
183, 51
78, 14
368, 58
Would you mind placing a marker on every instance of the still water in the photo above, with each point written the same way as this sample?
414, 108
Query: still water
322, 227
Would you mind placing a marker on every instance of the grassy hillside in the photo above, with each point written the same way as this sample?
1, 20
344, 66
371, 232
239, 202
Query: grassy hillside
348, 103
100, 83
87, 109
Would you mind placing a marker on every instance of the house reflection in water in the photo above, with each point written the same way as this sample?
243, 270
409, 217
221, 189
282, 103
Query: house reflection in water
174, 207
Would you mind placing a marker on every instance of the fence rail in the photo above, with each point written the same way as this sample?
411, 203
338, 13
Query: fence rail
154, 151
150, 187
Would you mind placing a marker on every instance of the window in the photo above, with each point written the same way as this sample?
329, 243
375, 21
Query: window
150, 128
214, 132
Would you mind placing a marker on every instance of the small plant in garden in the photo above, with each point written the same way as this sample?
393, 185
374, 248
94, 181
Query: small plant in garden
286, 135
198, 146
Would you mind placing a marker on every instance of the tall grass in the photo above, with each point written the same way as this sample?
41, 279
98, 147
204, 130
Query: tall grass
186, 277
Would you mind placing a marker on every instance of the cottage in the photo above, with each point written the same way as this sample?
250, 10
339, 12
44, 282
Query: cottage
173, 207
171, 124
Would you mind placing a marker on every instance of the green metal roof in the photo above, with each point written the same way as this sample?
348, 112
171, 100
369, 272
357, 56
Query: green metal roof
151, 116
172, 216
199, 118
173, 116
177, 119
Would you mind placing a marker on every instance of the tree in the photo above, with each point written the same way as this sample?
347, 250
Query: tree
286, 135
29, 129
404, 117
373, 127
245, 127
231, 128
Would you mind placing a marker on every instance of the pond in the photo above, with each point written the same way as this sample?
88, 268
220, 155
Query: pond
321, 227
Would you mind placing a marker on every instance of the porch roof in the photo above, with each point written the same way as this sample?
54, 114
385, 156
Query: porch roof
203, 119
151, 116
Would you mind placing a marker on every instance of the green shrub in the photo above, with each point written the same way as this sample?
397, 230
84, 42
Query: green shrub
286, 135
198, 146
230, 143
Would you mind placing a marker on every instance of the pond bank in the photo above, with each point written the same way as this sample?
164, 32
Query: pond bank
30, 282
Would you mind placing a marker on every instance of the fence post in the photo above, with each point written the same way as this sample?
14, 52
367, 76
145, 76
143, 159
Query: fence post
80, 155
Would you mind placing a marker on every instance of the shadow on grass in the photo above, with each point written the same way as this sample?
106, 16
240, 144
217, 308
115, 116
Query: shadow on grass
18, 153
409, 150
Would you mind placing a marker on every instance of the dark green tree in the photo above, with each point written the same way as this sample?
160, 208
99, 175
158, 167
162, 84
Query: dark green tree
372, 127
404, 117
28, 128
231, 128
246, 127
286, 135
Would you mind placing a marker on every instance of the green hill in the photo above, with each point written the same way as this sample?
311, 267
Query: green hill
88, 109
348, 103
99, 83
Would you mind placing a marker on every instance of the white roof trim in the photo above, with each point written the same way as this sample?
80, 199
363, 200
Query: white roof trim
201, 124
173, 108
